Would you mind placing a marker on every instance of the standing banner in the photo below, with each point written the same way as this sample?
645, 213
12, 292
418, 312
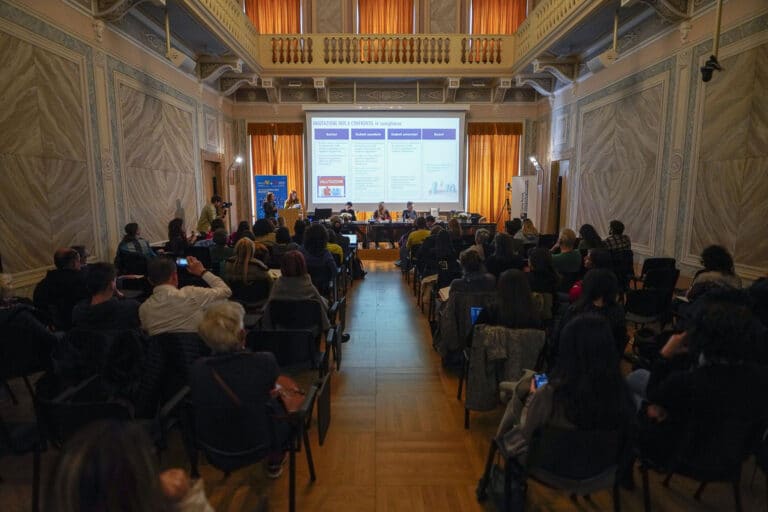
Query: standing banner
265, 184
524, 200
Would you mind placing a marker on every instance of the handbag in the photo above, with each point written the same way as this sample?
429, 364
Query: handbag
494, 487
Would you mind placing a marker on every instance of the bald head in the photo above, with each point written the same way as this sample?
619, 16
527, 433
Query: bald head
66, 258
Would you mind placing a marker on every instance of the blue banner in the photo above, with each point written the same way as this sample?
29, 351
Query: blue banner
278, 185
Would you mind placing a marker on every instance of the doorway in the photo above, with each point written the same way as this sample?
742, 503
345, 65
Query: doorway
557, 214
213, 177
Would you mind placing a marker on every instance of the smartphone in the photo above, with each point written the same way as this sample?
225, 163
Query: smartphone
181, 262
540, 379
474, 312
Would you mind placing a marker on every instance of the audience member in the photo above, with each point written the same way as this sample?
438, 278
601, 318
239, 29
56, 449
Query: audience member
706, 376
589, 238
315, 249
299, 227
207, 239
248, 264
514, 229
568, 260
599, 295
617, 240
419, 234
585, 391
243, 230
208, 214
105, 310
474, 278
515, 308
236, 387
133, 243
61, 288
264, 232
529, 232
295, 284
111, 465
283, 244
503, 257
170, 309
83, 253
595, 258
718, 269
543, 277
178, 243
482, 236
430, 221
220, 251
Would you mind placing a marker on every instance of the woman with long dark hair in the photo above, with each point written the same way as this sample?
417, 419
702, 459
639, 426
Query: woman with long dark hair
586, 390
542, 277
515, 308
599, 292
504, 255
243, 231
178, 243
589, 238
133, 243
718, 271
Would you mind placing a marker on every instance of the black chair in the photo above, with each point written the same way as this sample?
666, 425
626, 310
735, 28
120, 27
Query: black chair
22, 353
252, 294
131, 263
579, 462
201, 253
294, 349
233, 437
652, 264
180, 350
761, 459
623, 264
716, 455
653, 302
323, 279
547, 241
21, 439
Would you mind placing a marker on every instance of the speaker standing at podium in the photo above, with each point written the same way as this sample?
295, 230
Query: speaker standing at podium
292, 201
269, 207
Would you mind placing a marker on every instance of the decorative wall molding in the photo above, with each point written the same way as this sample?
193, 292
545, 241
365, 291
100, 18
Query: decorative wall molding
209, 69
671, 11
113, 10
543, 85
565, 70
229, 84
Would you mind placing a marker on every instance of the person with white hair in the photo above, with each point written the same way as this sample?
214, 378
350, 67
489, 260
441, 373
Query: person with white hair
233, 389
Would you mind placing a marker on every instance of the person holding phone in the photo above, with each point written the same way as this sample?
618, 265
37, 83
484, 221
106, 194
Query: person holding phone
585, 390
174, 309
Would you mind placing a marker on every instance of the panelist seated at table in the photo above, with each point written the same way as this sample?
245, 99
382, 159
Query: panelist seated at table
409, 214
348, 209
382, 214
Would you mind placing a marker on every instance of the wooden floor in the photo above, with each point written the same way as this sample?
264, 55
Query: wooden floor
397, 441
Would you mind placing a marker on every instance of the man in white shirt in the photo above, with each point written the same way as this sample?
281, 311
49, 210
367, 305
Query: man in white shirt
170, 309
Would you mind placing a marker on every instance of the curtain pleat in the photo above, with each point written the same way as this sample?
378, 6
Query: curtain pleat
497, 16
494, 156
279, 149
385, 16
275, 16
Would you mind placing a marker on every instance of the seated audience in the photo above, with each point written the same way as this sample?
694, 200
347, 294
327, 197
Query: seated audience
250, 379
598, 295
617, 240
295, 284
61, 288
474, 279
585, 391
419, 234
133, 243
83, 253
111, 465
299, 227
248, 264
220, 251
178, 243
243, 230
706, 375
454, 230
515, 308
482, 237
595, 258
334, 247
514, 229
530, 234
589, 238
568, 260
543, 277
170, 309
264, 232
283, 244
207, 240
106, 309
315, 249
718, 270
503, 257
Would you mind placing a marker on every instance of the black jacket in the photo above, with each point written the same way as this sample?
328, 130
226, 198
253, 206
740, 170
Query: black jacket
58, 293
115, 314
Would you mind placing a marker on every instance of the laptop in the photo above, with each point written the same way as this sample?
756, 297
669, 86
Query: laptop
352, 239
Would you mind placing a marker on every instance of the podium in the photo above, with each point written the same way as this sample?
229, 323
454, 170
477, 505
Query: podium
291, 215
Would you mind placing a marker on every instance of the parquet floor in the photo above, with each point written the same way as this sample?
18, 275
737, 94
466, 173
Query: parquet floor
396, 441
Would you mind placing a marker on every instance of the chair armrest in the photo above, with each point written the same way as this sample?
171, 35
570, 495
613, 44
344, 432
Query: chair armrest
330, 337
333, 311
72, 391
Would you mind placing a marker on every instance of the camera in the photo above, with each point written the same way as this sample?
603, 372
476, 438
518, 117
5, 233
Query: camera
508, 187
226, 205
708, 68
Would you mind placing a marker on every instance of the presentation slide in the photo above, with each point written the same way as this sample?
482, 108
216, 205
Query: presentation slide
370, 157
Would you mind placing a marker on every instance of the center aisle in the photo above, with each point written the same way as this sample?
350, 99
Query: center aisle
396, 440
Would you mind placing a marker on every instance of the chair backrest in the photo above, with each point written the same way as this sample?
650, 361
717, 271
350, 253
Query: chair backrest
131, 263
253, 292
180, 350
295, 314
322, 277
201, 253
656, 263
291, 347
547, 241
715, 453
622, 263
661, 279
573, 454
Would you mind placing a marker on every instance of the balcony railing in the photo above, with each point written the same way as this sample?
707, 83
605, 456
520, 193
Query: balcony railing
355, 50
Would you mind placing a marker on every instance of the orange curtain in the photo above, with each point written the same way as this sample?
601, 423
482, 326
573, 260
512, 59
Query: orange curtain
275, 16
279, 149
497, 16
494, 157
385, 16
